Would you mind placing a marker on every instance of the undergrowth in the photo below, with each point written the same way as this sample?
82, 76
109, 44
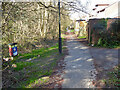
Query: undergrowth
113, 78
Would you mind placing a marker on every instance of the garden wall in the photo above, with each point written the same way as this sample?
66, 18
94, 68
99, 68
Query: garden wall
97, 27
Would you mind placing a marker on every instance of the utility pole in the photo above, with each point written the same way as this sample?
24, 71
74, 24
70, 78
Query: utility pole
60, 39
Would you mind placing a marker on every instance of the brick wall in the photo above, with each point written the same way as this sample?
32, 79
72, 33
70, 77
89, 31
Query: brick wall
93, 36
91, 33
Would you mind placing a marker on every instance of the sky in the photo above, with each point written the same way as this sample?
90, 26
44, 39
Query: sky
90, 6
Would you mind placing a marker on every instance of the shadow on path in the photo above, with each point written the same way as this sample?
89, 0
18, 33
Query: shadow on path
79, 69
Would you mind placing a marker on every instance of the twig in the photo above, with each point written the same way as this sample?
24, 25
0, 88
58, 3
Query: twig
4, 68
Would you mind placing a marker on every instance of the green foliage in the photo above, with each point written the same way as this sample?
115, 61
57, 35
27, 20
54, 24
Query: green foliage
114, 77
107, 38
72, 30
100, 41
82, 37
108, 41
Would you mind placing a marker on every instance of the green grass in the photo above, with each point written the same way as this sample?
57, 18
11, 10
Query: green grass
32, 71
42, 52
34, 76
72, 30
21, 65
81, 37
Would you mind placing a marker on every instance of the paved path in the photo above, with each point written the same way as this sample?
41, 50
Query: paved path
105, 58
79, 66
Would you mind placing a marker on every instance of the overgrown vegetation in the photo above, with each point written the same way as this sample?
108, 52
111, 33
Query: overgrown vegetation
107, 38
114, 78
32, 25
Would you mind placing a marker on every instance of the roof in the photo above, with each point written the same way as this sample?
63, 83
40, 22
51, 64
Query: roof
80, 20
101, 5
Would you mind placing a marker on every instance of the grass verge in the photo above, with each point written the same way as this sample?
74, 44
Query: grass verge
81, 37
31, 69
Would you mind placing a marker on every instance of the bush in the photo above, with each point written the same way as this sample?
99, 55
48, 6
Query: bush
106, 40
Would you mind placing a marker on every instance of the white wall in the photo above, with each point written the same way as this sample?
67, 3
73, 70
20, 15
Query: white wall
112, 11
